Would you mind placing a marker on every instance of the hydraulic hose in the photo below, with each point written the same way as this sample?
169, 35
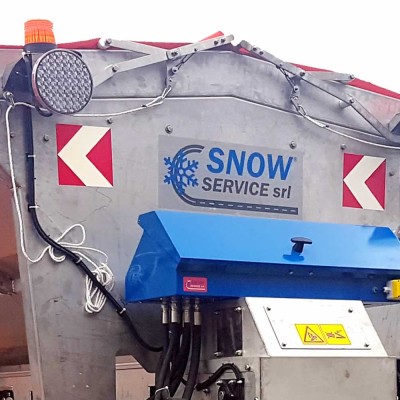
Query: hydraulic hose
195, 354
217, 374
29, 144
179, 366
161, 378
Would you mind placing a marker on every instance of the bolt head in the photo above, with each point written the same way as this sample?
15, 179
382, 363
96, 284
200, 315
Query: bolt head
46, 138
110, 120
366, 345
343, 146
293, 144
350, 310
283, 344
247, 367
238, 352
115, 68
169, 129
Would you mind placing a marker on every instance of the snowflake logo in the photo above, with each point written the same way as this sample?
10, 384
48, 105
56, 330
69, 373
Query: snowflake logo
181, 172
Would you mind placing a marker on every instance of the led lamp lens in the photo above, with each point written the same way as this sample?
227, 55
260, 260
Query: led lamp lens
62, 82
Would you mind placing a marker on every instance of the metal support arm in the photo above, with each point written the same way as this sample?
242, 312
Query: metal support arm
153, 54
326, 87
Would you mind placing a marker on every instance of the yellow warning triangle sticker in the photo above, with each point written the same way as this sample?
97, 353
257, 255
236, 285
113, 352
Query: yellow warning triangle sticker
310, 336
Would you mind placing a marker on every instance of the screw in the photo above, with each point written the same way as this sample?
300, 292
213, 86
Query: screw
218, 354
110, 120
174, 53
391, 173
254, 48
293, 144
311, 273
247, 367
223, 40
238, 309
169, 129
115, 68
351, 100
366, 345
343, 146
46, 138
302, 73
295, 89
350, 310
261, 53
268, 308
238, 352
108, 41
216, 42
283, 344
12, 134
174, 70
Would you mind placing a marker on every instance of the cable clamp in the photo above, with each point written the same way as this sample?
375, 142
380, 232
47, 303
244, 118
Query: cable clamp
9, 97
165, 388
122, 311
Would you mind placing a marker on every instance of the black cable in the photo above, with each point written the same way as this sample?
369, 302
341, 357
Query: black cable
179, 366
29, 143
218, 373
194, 363
160, 379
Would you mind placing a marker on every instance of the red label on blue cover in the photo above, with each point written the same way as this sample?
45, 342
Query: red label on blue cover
194, 284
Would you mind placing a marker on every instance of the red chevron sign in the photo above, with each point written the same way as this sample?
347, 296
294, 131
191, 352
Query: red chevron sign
84, 155
364, 182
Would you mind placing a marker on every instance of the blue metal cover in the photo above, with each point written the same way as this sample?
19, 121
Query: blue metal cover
196, 254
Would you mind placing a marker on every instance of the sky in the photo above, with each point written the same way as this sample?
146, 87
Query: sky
350, 36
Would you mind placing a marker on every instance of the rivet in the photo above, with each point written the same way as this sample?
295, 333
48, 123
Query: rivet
343, 146
115, 68
350, 310
293, 144
391, 173
283, 344
46, 138
110, 120
366, 345
169, 129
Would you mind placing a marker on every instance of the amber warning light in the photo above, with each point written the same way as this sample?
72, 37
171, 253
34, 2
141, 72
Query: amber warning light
39, 31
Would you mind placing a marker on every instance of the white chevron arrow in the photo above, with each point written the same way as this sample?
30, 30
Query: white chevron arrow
356, 178
75, 152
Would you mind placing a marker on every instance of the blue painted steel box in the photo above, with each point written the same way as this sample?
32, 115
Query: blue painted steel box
195, 254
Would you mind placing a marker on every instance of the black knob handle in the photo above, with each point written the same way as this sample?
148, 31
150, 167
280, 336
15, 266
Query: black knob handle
299, 243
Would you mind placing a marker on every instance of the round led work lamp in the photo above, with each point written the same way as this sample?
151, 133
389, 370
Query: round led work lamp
62, 82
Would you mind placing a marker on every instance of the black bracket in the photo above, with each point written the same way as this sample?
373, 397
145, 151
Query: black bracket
299, 243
